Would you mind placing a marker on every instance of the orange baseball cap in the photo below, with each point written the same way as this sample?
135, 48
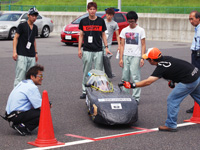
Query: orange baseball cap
152, 53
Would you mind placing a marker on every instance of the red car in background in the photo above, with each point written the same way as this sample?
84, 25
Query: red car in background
70, 33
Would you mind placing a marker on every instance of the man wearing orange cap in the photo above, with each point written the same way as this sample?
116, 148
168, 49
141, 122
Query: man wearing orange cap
178, 71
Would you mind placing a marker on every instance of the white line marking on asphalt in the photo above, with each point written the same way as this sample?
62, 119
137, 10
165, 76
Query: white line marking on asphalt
89, 141
66, 144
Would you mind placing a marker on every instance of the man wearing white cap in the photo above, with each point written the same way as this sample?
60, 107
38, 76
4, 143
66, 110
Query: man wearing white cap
177, 71
24, 46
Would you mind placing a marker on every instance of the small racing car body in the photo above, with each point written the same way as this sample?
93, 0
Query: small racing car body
108, 104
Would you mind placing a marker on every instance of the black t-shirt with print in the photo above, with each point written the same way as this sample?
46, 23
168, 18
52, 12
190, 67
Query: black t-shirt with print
93, 28
176, 70
26, 33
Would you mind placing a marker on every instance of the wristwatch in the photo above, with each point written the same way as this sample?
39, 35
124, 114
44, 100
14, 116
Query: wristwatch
134, 85
106, 46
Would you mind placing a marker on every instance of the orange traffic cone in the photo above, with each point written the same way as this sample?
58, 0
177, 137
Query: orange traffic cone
196, 114
45, 135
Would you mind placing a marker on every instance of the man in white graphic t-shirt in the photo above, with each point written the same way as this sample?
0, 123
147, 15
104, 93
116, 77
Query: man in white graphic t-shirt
132, 48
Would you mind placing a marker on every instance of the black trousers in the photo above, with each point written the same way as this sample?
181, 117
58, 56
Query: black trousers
107, 66
29, 118
195, 59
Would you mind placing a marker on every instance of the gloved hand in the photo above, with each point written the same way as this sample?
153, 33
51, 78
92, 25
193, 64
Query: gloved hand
129, 85
171, 84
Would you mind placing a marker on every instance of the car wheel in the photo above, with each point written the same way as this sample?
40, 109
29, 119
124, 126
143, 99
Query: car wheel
12, 33
45, 32
69, 44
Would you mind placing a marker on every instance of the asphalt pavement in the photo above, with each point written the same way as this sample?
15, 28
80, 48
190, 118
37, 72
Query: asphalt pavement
72, 125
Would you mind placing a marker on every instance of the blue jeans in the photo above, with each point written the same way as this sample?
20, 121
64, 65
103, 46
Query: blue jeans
176, 97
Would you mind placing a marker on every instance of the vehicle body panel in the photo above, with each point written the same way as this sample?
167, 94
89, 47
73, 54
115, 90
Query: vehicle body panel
6, 26
110, 106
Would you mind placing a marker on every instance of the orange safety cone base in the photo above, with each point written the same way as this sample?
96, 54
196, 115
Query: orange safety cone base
45, 136
196, 114
194, 120
45, 143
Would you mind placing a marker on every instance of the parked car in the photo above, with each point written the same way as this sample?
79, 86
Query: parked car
70, 33
10, 21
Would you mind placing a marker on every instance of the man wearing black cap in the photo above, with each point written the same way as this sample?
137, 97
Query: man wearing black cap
24, 46
183, 73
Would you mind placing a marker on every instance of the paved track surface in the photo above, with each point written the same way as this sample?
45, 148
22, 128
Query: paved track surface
62, 80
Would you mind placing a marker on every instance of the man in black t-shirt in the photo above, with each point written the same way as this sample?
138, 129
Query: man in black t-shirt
183, 73
92, 32
24, 46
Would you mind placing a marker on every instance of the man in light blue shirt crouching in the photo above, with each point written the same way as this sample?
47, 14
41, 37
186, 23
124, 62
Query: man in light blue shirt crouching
24, 102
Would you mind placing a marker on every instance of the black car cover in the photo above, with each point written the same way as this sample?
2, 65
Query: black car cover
116, 107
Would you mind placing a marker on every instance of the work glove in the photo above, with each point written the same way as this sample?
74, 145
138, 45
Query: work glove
171, 84
129, 85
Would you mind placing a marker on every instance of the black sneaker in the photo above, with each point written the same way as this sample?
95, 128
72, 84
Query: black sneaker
190, 110
28, 132
83, 96
21, 129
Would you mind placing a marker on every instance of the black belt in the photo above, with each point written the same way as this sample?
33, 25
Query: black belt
195, 51
11, 115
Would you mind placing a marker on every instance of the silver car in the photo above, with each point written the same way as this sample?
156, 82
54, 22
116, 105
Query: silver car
10, 21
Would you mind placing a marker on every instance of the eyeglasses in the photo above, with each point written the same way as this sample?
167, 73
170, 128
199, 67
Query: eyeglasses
40, 76
131, 21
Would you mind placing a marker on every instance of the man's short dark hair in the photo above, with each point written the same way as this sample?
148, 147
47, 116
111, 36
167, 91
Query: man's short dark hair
132, 15
159, 59
110, 11
197, 14
33, 71
92, 4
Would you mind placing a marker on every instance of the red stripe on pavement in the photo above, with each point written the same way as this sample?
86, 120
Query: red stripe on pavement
142, 128
122, 135
81, 137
